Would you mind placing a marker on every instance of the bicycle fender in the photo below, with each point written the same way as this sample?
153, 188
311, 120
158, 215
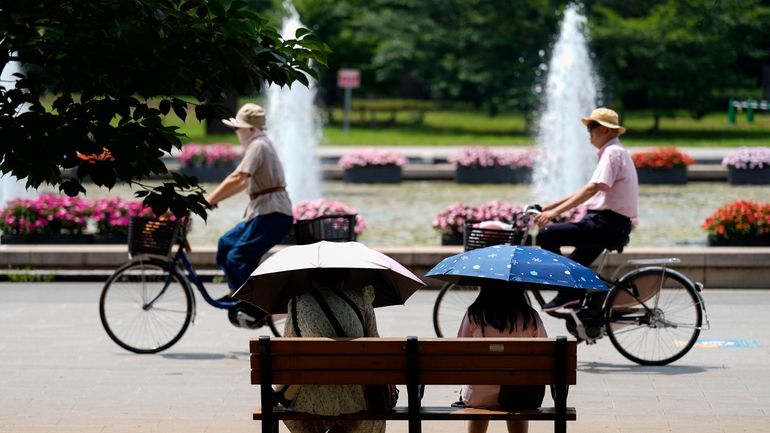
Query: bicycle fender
696, 287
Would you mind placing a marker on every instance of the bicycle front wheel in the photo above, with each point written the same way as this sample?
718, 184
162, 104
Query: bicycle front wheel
140, 311
276, 323
660, 322
450, 307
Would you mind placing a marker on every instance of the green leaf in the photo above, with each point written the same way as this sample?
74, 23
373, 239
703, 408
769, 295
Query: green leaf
71, 187
164, 106
217, 8
180, 108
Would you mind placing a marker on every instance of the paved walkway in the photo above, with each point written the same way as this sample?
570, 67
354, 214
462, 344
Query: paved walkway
60, 373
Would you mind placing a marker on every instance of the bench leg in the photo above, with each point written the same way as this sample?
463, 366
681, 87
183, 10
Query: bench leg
412, 384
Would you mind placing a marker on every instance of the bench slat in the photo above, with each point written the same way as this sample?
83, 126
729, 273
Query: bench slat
371, 346
435, 377
356, 361
474, 346
438, 413
360, 361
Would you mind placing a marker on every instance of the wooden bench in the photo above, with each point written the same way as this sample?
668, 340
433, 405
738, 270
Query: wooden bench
412, 362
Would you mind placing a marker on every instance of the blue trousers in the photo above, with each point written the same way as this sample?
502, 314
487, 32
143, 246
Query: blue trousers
240, 250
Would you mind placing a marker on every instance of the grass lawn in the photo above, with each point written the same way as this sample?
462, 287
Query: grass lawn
465, 127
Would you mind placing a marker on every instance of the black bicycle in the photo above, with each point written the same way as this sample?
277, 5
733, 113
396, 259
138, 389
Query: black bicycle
652, 314
148, 303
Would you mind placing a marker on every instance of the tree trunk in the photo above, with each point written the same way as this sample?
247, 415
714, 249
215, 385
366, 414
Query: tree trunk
656, 123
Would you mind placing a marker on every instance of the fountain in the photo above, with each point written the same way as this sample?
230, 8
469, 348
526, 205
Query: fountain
10, 187
567, 158
294, 126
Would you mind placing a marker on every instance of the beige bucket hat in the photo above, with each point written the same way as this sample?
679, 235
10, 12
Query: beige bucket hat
248, 116
605, 117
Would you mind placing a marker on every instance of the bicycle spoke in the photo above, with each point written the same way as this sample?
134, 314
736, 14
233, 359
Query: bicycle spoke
451, 304
660, 324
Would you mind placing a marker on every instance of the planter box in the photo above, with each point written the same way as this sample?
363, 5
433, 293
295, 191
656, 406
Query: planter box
662, 176
451, 238
465, 174
110, 238
756, 176
521, 175
212, 173
739, 241
46, 239
373, 174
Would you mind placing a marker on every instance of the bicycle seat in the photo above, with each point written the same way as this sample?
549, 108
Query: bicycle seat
619, 246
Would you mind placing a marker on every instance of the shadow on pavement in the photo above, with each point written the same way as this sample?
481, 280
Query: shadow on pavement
205, 356
665, 370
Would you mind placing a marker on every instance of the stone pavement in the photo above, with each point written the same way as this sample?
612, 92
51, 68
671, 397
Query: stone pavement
59, 372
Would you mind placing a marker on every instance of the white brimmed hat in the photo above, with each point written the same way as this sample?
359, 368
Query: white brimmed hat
249, 116
605, 117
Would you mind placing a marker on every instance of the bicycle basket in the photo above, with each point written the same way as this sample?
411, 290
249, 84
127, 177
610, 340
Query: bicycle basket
335, 228
151, 236
476, 237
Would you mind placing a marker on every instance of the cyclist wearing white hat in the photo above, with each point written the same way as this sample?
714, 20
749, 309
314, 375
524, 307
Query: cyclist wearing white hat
268, 216
610, 197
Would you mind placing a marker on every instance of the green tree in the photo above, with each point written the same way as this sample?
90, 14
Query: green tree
99, 64
676, 54
453, 50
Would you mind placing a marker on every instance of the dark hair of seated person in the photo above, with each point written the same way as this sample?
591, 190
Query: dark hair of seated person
328, 277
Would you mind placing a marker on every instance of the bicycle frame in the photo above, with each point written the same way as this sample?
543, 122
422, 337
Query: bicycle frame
616, 283
194, 278
181, 262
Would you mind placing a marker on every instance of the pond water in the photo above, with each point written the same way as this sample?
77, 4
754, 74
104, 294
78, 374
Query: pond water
401, 214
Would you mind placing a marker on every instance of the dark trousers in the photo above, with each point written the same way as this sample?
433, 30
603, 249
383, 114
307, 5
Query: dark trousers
240, 250
590, 236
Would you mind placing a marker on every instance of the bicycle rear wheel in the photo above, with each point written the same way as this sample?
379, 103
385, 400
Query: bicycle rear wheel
138, 314
450, 307
666, 329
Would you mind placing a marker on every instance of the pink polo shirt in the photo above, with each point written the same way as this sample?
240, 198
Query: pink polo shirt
616, 175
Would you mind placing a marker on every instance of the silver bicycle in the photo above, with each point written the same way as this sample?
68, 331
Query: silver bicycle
652, 314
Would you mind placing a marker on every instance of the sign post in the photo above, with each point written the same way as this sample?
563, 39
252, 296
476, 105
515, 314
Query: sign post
348, 79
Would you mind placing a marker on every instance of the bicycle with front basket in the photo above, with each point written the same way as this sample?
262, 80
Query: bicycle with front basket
652, 314
148, 303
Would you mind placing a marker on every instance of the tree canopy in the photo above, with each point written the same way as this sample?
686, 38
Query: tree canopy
665, 55
651, 54
99, 76
487, 53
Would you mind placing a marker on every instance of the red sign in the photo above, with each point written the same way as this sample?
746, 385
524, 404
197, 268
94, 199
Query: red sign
349, 78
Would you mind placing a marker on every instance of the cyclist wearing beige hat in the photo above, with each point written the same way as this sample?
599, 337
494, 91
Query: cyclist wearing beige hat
268, 216
610, 198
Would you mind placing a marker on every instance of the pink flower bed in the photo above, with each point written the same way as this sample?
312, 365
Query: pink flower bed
59, 214
307, 210
453, 218
200, 155
365, 157
486, 157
